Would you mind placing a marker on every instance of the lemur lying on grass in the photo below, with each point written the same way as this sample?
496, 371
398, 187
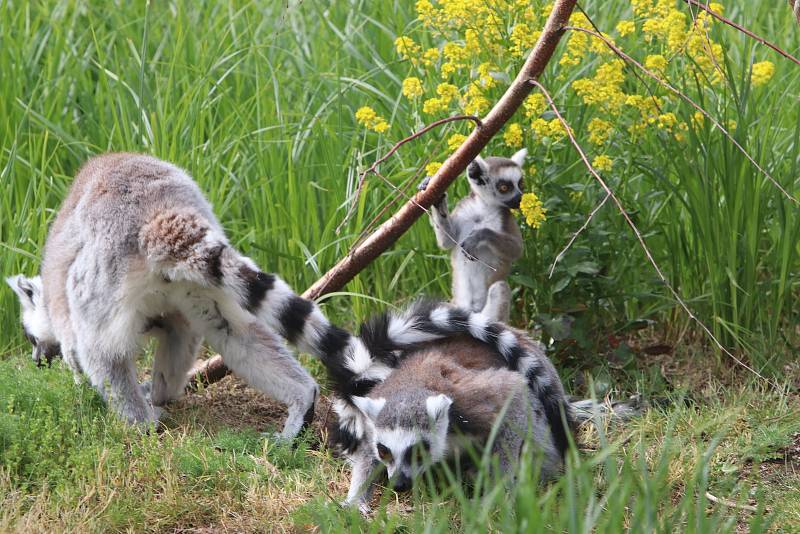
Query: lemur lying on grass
439, 376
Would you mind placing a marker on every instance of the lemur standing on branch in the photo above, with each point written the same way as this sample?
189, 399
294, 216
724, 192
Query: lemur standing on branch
482, 234
136, 250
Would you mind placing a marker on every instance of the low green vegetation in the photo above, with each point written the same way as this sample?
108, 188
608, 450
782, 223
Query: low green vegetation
257, 100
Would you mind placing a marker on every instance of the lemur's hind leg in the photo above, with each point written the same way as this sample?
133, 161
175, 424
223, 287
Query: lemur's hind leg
498, 302
176, 352
257, 355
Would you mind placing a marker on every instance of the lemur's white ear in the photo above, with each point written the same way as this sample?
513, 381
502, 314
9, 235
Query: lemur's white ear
25, 288
369, 407
438, 406
481, 163
477, 169
519, 157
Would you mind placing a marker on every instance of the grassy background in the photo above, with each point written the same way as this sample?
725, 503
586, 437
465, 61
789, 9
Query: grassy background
256, 101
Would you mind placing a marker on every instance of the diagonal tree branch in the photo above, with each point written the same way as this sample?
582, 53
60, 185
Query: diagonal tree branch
390, 231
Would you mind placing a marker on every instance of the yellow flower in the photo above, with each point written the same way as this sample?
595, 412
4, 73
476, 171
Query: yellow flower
426, 13
523, 39
667, 120
475, 103
534, 105
412, 87
698, 119
532, 210
371, 120
716, 8
602, 163
432, 167
447, 92
599, 131
762, 73
540, 127
407, 48
485, 77
625, 27
656, 62
513, 135
432, 105
430, 56
556, 130
454, 141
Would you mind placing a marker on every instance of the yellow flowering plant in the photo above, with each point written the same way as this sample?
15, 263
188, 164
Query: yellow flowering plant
459, 57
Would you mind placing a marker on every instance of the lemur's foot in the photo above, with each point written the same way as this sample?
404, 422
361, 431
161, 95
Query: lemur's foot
424, 183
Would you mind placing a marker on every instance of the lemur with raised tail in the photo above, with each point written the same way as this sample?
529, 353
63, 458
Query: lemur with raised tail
481, 232
135, 250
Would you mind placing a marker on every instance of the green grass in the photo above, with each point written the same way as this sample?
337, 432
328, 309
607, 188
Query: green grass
256, 101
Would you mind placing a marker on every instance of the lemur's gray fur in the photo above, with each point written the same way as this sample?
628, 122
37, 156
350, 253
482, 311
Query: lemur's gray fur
446, 398
135, 249
481, 232
456, 367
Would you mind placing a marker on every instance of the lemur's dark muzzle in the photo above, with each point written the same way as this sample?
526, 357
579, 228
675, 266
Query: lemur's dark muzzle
401, 483
514, 202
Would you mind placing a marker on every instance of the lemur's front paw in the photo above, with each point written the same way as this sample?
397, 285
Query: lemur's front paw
469, 250
423, 185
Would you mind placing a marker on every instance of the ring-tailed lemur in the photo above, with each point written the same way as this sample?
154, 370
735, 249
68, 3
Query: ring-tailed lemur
135, 249
388, 399
481, 232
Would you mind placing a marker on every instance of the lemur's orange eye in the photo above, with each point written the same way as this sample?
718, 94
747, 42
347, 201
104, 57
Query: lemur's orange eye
503, 188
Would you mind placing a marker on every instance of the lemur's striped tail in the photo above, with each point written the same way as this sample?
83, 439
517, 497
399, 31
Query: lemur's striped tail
386, 338
296, 319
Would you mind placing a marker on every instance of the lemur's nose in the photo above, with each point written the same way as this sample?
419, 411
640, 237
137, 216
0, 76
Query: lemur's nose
514, 202
401, 483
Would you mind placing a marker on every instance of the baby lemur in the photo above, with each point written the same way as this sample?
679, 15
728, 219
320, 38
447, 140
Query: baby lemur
135, 250
481, 232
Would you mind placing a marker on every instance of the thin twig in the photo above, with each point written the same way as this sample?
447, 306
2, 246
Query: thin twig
729, 503
707, 42
681, 95
744, 30
638, 76
576, 234
640, 238
363, 176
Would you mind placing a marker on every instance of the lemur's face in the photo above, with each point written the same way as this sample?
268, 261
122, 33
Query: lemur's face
407, 439
35, 322
498, 181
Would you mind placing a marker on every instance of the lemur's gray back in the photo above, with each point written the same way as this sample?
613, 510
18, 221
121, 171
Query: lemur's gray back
111, 199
